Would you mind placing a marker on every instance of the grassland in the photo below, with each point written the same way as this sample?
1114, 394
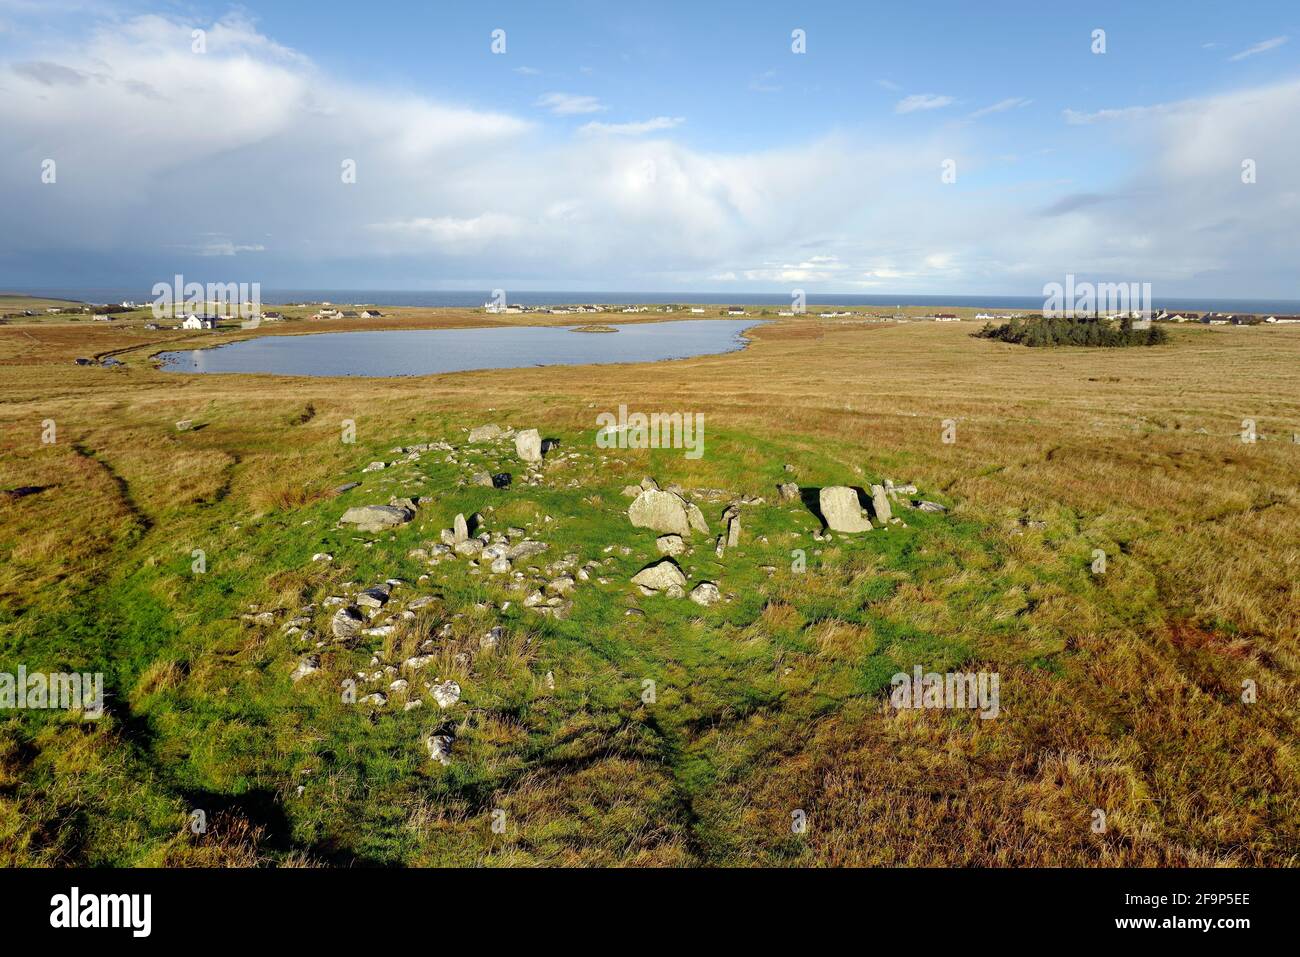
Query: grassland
1120, 691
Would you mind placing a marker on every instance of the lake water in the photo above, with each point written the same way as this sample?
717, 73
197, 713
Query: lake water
429, 351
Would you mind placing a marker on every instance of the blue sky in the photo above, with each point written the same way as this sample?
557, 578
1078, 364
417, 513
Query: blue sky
671, 146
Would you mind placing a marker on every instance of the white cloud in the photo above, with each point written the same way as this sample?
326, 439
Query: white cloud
256, 134
1262, 47
1011, 103
633, 129
456, 235
227, 248
569, 104
528, 71
921, 101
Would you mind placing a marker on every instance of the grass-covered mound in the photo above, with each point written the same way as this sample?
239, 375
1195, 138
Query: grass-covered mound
1073, 331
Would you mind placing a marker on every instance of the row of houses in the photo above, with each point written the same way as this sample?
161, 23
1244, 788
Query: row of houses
203, 320
1225, 318
348, 314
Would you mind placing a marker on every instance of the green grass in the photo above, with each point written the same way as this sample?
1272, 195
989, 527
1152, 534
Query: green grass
203, 714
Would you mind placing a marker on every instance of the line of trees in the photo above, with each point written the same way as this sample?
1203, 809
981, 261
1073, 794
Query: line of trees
1073, 331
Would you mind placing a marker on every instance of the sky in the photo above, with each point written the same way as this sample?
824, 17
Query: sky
935, 148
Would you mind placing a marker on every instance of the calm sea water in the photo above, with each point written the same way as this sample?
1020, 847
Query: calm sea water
399, 297
430, 351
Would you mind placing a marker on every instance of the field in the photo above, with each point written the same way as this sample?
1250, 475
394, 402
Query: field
1127, 732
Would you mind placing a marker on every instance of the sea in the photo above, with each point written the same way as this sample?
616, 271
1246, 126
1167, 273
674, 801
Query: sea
470, 299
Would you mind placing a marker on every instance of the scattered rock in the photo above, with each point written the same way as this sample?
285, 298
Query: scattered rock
528, 445
933, 507
484, 433
525, 549
705, 593
840, 508
789, 491
309, 665
376, 518
346, 623
446, 694
376, 597
670, 544
660, 576
375, 467
439, 746
666, 512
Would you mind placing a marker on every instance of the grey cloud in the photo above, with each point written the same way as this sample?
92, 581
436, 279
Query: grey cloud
50, 74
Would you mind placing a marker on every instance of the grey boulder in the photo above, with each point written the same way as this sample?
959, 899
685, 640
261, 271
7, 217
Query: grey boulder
663, 575
528, 445
841, 510
376, 518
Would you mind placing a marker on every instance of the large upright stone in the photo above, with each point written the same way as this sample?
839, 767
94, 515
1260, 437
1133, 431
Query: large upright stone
880, 504
459, 529
840, 508
695, 517
528, 444
661, 511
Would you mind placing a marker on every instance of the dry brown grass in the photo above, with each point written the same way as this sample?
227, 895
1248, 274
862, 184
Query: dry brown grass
1132, 451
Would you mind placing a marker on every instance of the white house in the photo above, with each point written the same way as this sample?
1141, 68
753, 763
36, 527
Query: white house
193, 321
